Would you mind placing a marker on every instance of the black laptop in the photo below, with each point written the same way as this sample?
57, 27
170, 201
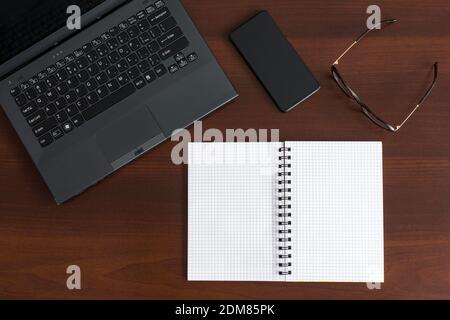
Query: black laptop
86, 102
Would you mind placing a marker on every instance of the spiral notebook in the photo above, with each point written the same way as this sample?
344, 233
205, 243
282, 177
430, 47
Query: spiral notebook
287, 211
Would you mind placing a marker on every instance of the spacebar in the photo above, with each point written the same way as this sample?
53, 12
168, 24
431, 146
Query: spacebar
109, 101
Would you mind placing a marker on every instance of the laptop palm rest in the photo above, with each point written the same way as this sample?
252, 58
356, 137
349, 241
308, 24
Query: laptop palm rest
128, 137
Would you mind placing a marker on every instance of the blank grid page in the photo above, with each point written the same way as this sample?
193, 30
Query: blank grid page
231, 204
337, 211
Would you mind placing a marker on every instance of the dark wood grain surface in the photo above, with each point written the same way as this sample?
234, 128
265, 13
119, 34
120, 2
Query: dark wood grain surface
128, 233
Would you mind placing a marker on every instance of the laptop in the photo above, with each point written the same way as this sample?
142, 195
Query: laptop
86, 102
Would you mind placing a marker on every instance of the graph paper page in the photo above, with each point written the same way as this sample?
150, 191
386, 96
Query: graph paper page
337, 211
231, 204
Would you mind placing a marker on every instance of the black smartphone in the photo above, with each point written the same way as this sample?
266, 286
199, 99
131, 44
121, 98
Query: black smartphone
274, 61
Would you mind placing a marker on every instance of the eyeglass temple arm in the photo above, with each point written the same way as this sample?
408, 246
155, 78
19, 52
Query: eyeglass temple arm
362, 35
427, 93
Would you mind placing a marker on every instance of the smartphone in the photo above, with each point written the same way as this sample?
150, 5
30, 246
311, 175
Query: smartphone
275, 62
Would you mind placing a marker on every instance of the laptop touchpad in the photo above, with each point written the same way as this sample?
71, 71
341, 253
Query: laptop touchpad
129, 136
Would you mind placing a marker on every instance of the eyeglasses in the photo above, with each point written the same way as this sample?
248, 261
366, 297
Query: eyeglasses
352, 95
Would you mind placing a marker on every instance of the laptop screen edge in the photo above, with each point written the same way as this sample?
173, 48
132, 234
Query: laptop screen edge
49, 42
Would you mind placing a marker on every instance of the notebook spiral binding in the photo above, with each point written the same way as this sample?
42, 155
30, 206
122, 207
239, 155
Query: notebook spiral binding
284, 212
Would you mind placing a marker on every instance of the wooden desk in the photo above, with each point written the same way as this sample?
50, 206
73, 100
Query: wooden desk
128, 233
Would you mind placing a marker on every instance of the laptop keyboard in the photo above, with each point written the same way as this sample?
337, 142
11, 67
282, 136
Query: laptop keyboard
102, 73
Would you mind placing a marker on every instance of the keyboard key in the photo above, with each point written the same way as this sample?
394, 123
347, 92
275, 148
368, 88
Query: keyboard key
61, 75
69, 58
143, 53
169, 37
31, 93
102, 91
57, 133
50, 109
103, 63
154, 60
123, 25
72, 110
160, 70
14, 91
143, 66
45, 126
132, 59
71, 97
134, 44
62, 88
45, 140
110, 101
61, 116
122, 65
78, 120
124, 51
92, 98
105, 36
155, 32
150, 76
73, 82
102, 50
71, 69
24, 86
133, 31
123, 38
83, 76
167, 24
153, 46
112, 72
42, 75
143, 25
91, 84
51, 69
113, 44
93, 69
92, 56
182, 63
87, 47
101, 78
82, 63
133, 73
81, 90
172, 49
114, 31
159, 16
192, 57
145, 38
41, 101
96, 42
141, 14
68, 126
33, 81
123, 79
139, 83
112, 85
173, 68
29, 108
159, 4
52, 94
51, 81
41, 87
78, 53
179, 56
60, 103
36, 117
61, 63
132, 20
82, 104
150, 9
